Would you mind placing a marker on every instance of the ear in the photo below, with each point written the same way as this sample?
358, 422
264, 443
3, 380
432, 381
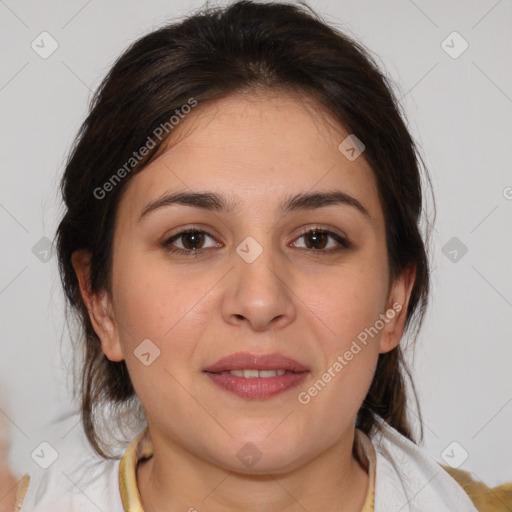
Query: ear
396, 309
99, 308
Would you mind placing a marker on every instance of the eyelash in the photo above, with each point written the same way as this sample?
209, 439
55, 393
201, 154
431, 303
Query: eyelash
343, 242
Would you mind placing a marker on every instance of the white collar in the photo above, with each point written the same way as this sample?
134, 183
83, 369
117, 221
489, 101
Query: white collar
408, 479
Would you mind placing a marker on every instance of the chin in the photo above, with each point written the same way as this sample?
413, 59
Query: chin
260, 455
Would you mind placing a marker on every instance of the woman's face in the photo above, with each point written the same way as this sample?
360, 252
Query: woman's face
259, 285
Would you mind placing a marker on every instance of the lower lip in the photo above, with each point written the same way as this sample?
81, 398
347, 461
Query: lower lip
257, 387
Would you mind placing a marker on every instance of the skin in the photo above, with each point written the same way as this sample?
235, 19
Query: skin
8, 482
8, 487
258, 148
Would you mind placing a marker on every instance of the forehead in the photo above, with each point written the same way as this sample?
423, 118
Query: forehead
255, 148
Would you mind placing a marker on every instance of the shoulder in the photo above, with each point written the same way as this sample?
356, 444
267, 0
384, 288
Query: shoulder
87, 487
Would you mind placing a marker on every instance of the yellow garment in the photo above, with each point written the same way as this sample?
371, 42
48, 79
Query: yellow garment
485, 499
21, 491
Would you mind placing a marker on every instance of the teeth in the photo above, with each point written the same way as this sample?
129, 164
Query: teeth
254, 374
268, 373
249, 374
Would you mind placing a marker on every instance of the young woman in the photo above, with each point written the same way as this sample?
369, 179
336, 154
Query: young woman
241, 248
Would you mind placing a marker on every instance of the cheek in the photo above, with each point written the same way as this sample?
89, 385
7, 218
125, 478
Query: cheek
348, 300
333, 397
152, 300
337, 401
346, 310
170, 309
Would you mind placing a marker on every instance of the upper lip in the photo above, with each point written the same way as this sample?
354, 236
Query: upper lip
248, 361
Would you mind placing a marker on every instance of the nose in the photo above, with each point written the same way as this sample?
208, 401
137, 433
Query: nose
259, 293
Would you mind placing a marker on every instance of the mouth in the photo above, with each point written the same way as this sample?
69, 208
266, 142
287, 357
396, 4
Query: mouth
256, 376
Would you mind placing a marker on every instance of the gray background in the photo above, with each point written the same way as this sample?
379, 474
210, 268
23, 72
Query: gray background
459, 110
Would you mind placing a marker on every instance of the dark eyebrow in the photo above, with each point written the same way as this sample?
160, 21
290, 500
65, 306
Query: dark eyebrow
313, 200
205, 200
216, 202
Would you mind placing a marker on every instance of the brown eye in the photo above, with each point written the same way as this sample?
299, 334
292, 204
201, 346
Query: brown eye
318, 239
192, 241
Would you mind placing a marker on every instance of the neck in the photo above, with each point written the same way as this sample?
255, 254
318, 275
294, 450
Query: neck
174, 479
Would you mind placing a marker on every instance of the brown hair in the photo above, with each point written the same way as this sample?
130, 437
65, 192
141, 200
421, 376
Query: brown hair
207, 56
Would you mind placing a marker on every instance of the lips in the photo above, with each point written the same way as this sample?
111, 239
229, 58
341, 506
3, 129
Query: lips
256, 376
261, 362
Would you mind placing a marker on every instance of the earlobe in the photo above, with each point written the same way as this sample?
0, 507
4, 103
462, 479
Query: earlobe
396, 309
99, 307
